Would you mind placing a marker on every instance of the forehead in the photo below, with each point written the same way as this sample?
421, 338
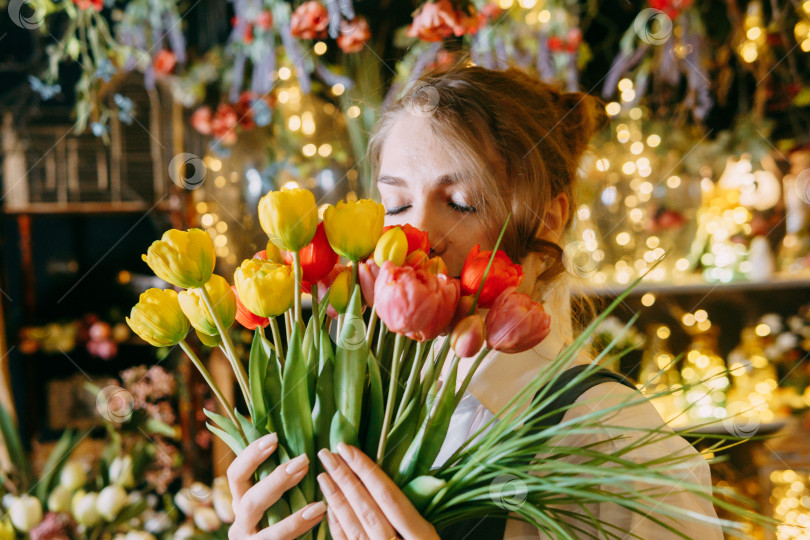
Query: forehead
412, 150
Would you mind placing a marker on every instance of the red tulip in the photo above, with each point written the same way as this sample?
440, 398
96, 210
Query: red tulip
467, 336
247, 318
502, 274
417, 239
317, 259
310, 20
516, 323
415, 302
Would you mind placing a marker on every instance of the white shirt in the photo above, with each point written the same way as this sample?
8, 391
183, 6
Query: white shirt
500, 377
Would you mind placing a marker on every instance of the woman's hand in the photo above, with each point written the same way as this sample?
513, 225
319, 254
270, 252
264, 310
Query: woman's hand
250, 501
364, 503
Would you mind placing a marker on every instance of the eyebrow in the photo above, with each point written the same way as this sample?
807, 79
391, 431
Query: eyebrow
448, 179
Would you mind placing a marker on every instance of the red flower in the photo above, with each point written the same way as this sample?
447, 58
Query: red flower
502, 274
555, 43
436, 21
367, 273
572, 39
164, 62
491, 10
516, 323
247, 318
671, 8
247, 37
264, 20
353, 35
244, 109
310, 20
417, 239
317, 259
87, 4
201, 120
224, 124
414, 302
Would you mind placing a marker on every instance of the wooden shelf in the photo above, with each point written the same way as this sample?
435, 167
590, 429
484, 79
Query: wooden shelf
697, 285
84, 208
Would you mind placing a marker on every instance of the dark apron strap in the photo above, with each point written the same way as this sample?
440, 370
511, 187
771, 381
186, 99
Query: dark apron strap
493, 525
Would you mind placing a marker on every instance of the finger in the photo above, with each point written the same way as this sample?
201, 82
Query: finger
295, 525
334, 527
267, 491
240, 472
373, 520
340, 507
397, 508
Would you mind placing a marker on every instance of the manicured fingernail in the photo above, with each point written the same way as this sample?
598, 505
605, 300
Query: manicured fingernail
346, 452
267, 441
326, 484
327, 459
314, 510
297, 464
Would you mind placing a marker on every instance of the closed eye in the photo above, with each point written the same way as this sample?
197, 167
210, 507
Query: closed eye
398, 210
462, 208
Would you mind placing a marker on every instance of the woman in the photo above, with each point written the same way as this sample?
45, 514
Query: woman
454, 156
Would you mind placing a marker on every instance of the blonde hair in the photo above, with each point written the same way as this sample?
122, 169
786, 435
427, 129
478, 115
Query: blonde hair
510, 135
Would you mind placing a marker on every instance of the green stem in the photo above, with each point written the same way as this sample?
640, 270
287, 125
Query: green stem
489, 264
210, 380
468, 377
372, 322
276, 337
236, 365
288, 324
316, 313
297, 272
392, 392
416, 369
353, 280
381, 339
439, 364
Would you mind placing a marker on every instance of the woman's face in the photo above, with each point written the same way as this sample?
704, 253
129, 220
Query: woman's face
418, 186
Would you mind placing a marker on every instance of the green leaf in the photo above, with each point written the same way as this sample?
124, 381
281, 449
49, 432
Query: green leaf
324, 408
421, 489
376, 407
351, 360
295, 409
233, 443
247, 427
341, 431
272, 390
11, 438
257, 372
399, 438
226, 425
297, 501
60, 453
311, 354
129, 512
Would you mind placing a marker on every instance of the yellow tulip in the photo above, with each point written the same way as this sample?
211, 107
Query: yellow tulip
392, 246
339, 290
289, 217
273, 253
158, 319
266, 289
354, 227
182, 258
7, 530
223, 299
208, 341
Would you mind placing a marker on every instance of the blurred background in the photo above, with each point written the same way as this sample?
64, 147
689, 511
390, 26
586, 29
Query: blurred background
122, 119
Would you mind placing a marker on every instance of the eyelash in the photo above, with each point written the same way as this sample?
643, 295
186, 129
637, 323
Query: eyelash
458, 207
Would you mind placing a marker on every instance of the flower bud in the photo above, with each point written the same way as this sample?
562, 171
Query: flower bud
59, 499
158, 319
435, 265
354, 227
222, 499
222, 298
83, 508
289, 217
266, 289
111, 501
206, 519
339, 291
7, 529
121, 471
467, 337
25, 513
72, 476
392, 246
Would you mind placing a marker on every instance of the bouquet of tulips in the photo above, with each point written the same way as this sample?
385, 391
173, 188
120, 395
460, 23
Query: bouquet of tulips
377, 385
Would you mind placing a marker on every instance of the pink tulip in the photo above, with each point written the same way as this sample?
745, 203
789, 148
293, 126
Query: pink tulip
516, 323
367, 273
415, 302
467, 336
